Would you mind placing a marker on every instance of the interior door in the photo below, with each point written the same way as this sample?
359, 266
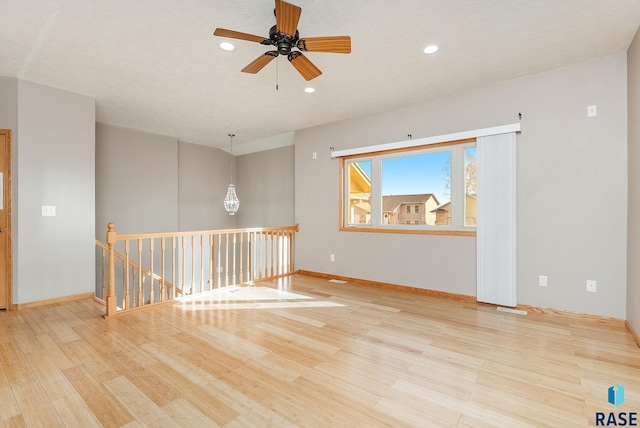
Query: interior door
5, 218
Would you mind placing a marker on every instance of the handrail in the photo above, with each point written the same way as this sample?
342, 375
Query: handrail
191, 262
135, 265
123, 237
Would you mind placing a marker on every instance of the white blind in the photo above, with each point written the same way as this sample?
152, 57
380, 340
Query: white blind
496, 230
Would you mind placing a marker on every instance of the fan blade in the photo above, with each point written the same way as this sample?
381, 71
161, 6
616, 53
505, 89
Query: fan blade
260, 62
242, 36
332, 44
304, 66
287, 17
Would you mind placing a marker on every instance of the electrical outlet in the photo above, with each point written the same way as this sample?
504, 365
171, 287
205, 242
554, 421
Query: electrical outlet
591, 111
542, 280
591, 286
332, 257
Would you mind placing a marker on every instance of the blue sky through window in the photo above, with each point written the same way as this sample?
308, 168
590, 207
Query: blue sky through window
425, 173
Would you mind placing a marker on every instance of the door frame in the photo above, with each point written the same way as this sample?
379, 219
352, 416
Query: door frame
7, 208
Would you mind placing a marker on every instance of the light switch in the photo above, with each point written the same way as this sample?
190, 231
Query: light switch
48, 211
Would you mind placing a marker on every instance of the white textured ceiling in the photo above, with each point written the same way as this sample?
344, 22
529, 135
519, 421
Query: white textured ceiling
155, 66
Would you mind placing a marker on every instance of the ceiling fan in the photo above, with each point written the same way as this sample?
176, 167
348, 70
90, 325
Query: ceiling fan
285, 37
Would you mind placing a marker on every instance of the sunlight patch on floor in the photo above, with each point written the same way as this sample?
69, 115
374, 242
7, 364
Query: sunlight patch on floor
237, 297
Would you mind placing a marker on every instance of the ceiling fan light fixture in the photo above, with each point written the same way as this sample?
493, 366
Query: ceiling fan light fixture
285, 38
431, 49
227, 46
309, 90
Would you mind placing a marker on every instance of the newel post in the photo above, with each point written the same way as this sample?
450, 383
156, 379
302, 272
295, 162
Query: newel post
111, 283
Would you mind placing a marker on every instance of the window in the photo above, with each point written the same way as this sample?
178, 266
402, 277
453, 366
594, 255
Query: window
380, 189
470, 187
359, 193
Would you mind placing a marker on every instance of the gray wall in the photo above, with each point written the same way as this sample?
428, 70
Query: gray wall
633, 232
153, 183
53, 164
572, 189
204, 179
265, 186
136, 181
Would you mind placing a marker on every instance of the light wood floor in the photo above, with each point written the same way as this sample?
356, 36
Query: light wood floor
307, 352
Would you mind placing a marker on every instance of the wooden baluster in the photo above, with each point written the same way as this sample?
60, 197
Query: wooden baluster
162, 281
201, 263
184, 283
104, 263
279, 252
289, 249
265, 254
283, 246
112, 305
140, 289
274, 255
241, 265
249, 257
292, 237
256, 258
226, 260
261, 256
254, 255
173, 267
234, 260
219, 255
122, 284
293, 249
126, 303
283, 252
211, 265
267, 250
193, 265
151, 274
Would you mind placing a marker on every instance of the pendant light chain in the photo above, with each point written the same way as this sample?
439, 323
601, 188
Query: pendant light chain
231, 163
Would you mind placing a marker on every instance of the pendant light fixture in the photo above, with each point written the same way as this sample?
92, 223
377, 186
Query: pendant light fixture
231, 202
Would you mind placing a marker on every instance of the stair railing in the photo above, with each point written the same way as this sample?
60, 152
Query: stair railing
154, 268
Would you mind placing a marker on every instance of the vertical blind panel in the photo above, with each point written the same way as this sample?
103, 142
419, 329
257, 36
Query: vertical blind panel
496, 230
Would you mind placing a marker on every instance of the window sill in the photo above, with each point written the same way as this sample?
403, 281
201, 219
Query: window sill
448, 232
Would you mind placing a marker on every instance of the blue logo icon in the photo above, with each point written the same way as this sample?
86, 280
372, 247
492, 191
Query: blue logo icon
616, 395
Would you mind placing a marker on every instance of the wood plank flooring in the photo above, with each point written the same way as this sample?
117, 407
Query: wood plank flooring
302, 351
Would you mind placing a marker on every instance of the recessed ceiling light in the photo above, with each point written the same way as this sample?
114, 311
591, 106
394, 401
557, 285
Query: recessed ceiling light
431, 49
226, 46
309, 90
